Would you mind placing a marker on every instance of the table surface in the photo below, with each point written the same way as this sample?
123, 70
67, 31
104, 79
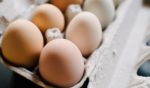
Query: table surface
9, 79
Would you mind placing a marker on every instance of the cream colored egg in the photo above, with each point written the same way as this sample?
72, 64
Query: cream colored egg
85, 31
61, 63
22, 43
103, 9
48, 16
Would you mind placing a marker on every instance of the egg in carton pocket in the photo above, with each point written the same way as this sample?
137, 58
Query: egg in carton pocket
90, 64
33, 75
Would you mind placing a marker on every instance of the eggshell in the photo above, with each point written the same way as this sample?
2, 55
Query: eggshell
62, 5
85, 31
61, 63
48, 16
22, 43
103, 9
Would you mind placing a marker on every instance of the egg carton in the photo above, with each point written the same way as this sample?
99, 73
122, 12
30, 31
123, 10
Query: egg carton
144, 51
113, 64
120, 61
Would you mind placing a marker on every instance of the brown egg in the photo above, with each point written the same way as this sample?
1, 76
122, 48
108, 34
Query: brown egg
48, 16
85, 31
61, 63
22, 43
62, 5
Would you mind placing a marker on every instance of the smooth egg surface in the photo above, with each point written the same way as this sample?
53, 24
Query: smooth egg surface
63, 4
85, 31
61, 63
48, 16
103, 9
22, 43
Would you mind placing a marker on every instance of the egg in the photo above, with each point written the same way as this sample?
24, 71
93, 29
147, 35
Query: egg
48, 16
62, 5
61, 63
22, 43
85, 31
103, 9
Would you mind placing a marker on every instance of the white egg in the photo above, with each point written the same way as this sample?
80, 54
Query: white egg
103, 9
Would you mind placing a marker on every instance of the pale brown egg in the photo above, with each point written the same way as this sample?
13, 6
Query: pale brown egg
63, 4
61, 63
48, 16
22, 43
85, 31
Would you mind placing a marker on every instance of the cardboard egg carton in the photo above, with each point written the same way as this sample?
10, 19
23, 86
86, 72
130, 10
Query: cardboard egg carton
115, 62
119, 63
144, 51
